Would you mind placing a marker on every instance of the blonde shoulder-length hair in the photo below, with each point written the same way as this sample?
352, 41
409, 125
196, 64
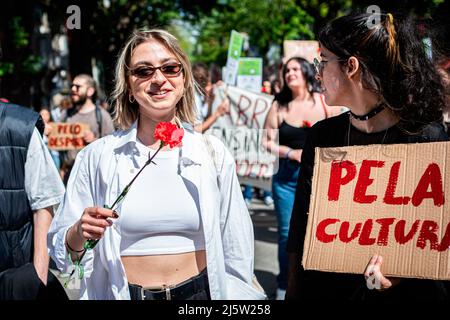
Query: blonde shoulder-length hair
127, 112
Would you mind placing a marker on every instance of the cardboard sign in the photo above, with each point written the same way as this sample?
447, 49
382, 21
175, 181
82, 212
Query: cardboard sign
234, 52
307, 49
242, 130
392, 200
67, 136
250, 74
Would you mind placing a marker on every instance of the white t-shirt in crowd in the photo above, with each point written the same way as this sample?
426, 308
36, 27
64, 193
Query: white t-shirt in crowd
43, 184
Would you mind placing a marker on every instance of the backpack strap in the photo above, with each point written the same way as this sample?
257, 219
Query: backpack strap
98, 116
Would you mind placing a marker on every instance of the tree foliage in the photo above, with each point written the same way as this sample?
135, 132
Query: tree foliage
265, 22
203, 28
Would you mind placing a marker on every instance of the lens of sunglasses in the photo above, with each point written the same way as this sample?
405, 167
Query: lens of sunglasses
171, 69
143, 72
146, 71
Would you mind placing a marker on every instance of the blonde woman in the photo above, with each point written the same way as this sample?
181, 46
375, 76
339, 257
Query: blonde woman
183, 231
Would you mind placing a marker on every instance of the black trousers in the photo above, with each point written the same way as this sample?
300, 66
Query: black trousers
195, 288
23, 283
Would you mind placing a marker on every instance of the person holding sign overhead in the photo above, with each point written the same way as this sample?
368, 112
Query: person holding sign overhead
383, 75
297, 107
168, 214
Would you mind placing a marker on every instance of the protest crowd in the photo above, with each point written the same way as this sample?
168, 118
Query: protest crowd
146, 190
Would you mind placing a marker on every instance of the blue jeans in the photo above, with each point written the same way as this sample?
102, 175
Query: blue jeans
284, 184
248, 192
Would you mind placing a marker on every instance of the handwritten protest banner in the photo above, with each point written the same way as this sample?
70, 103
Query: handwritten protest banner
242, 130
67, 136
392, 200
307, 49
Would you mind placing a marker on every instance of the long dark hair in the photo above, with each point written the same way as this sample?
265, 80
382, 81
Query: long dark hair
393, 63
285, 95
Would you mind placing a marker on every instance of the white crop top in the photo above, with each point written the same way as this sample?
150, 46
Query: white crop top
160, 214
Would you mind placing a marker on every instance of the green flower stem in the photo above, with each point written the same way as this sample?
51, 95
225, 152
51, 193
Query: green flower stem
91, 243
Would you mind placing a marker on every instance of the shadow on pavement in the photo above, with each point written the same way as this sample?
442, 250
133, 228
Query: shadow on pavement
264, 224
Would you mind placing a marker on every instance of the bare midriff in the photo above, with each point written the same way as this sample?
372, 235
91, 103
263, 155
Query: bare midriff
163, 270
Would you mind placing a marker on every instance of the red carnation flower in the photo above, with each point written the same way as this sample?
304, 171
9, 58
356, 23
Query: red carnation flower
168, 134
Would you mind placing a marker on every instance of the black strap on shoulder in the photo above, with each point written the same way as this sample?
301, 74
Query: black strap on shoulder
98, 116
40, 125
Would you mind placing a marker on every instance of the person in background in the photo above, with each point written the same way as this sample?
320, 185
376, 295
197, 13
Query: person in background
275, 87
395, 95
295, 109
183, 231
204, 98
29, 188
249, 192
266, 87
61, 103
83, 90
46, 117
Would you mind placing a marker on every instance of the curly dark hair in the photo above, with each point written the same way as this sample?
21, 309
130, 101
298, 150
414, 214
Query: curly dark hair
394, 64
285, 95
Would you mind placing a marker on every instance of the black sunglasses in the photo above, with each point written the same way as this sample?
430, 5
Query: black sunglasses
168, 70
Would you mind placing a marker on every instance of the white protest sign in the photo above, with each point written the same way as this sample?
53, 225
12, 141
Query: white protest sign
307, 49
234, 52
250, 74
242, 130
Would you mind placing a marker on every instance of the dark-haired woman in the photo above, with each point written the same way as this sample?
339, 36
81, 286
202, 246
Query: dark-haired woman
383, 75
295, 109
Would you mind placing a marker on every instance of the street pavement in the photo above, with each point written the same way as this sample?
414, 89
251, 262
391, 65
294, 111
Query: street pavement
266, 262
266, 245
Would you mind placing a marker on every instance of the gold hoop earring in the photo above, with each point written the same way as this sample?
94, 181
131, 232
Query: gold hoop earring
131, 97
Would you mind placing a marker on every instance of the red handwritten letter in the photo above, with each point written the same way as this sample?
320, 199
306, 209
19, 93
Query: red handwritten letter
321, 235
431, 177
389, 197
364, 181
336, 178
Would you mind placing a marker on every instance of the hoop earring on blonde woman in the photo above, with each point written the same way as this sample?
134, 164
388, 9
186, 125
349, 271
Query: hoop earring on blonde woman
131, 99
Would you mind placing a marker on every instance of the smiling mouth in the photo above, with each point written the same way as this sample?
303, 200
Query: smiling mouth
159, 94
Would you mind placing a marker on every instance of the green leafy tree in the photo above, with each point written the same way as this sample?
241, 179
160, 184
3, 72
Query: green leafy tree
105, 29
265, 22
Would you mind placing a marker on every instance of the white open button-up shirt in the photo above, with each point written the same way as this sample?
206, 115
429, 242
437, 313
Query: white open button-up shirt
101, 172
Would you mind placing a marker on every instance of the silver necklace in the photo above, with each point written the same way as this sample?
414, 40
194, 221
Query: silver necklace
349, 127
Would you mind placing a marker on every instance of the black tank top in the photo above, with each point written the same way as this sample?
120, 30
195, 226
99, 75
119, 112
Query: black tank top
293, 137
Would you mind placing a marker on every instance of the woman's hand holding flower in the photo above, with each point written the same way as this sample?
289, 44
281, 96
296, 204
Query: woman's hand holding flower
94, 221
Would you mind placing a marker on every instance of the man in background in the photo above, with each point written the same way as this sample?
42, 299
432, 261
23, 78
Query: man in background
84, 110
